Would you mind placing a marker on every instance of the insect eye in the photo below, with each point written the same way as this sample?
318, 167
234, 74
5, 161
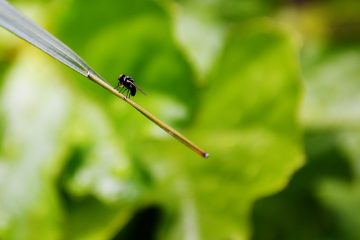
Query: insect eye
121, 77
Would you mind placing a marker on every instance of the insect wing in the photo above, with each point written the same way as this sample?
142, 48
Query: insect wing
142, 91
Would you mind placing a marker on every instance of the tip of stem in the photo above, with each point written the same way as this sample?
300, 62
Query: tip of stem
205, 155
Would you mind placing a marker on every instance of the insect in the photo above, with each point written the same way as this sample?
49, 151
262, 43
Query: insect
127, 84
23, 27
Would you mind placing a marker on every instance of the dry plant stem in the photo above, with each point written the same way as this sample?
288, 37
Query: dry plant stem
23, 27
150, 116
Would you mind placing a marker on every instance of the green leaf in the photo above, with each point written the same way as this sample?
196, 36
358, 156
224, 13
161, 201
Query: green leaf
331, 102
332, 77
340, 196
45, 126
343, 199
248, 123
34, 111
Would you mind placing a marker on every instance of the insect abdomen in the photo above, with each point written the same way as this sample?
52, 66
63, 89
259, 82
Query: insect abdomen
132, 89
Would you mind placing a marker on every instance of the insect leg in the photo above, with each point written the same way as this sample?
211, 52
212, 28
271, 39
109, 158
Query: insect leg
117, 86
124, 91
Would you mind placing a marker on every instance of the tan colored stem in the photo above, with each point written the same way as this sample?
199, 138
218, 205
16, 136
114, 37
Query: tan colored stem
150, 116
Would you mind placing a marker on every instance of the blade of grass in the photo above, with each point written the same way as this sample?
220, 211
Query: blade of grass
12, 20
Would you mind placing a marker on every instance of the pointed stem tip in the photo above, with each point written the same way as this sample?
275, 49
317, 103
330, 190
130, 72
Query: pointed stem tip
171, 131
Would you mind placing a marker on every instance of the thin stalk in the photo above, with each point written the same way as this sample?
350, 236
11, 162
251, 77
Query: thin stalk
12, 20
171, 131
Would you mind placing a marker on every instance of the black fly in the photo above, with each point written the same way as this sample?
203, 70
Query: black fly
127, 84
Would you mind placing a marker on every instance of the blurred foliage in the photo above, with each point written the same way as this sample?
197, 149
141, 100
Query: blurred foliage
76, 163
322, 199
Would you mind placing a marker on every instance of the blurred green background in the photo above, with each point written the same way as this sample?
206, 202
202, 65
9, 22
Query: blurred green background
268, 88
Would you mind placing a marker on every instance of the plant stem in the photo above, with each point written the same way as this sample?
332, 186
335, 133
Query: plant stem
171, 131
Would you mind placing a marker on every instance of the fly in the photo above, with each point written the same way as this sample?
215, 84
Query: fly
12, 20
127, 84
